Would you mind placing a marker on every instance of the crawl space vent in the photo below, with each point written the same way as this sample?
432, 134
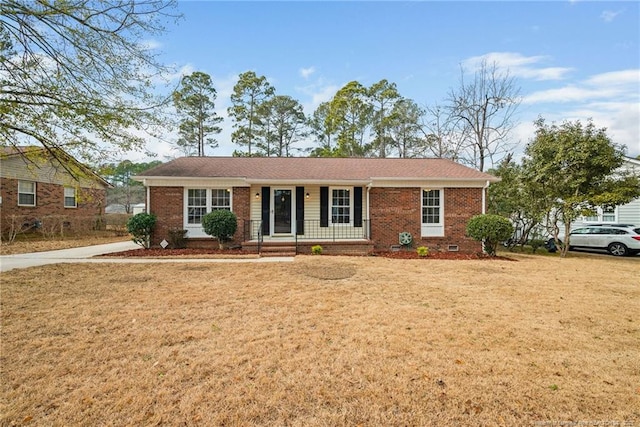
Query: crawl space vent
453, 248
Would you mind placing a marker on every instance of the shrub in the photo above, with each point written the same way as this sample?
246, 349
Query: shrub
177, 239
535, 244
221, 224
140, 227
316, 250
489, 229
422, 251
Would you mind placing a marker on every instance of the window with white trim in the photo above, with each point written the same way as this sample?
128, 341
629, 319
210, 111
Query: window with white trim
432, 213
201, 201
341, 206
431, 207
70, 197
26, 193
220, 199
602, 214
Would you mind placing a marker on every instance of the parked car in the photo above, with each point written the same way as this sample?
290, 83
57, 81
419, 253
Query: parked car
618, 239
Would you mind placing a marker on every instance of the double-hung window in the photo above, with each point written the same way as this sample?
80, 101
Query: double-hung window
341, 206
201, 201
196, 205
602, 214
26, 193
432, 213
220, 199
70, 197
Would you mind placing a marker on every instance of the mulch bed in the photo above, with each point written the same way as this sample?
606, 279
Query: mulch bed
439, 255
192, 253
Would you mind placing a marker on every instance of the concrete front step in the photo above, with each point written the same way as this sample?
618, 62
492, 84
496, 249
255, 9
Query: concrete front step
268, 250
276, 254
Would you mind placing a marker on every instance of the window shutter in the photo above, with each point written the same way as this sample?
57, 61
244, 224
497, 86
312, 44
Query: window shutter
266, 207
299, 210
357, 206
324, 206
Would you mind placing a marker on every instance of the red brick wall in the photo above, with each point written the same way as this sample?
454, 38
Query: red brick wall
88, 214
394, 210
242, 209
167, 203
168, 206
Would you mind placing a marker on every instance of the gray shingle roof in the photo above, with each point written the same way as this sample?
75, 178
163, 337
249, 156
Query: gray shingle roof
311, 168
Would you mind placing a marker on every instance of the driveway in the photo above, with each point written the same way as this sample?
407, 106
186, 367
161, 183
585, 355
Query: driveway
85, 254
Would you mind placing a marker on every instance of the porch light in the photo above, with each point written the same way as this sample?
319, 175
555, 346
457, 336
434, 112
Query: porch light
257, 195
306, 196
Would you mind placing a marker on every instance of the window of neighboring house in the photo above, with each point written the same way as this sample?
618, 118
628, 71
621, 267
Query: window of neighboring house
26, 193
70, 197
200, 201
432, 213
609, 214
340, 206
606, 214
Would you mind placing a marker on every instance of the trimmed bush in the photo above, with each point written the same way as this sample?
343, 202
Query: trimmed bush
316, 250
422, 251
221, 224
140, 227
489, 229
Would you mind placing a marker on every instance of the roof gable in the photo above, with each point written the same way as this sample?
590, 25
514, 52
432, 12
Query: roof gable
55, 158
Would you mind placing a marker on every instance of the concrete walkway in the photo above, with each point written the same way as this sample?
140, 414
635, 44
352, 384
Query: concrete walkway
85, 254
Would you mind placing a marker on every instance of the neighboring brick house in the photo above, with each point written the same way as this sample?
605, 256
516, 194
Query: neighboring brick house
55, 194
343, 204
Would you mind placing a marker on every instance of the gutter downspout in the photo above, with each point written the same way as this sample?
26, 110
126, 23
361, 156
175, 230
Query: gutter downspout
368, 212
484, 198
148, 204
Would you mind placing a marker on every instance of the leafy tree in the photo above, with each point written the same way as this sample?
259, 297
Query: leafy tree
383, 97
577, 169
194, 102
140, 226
76, 72
322, 126
281, 124
404, 128
221, 224
351, 113
484, 109
248, 94
518, 199
490, 229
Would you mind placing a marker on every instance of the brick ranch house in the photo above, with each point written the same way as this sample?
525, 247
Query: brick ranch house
346, 205
42, 191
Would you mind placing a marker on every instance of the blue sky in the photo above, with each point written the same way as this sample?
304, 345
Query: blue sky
573, 59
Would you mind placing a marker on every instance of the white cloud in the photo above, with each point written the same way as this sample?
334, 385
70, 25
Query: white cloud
609, 15
518, 65
616, 84
317, 92
611, 99
307, 72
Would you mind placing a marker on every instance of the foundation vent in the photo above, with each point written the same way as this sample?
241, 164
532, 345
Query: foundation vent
453, 248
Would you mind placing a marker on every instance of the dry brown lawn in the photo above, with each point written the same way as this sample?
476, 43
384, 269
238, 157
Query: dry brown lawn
324, 341
40, 244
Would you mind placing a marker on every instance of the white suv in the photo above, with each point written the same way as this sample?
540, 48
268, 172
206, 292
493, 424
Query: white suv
619, 240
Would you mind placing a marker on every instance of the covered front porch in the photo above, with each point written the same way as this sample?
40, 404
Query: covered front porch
298, 237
